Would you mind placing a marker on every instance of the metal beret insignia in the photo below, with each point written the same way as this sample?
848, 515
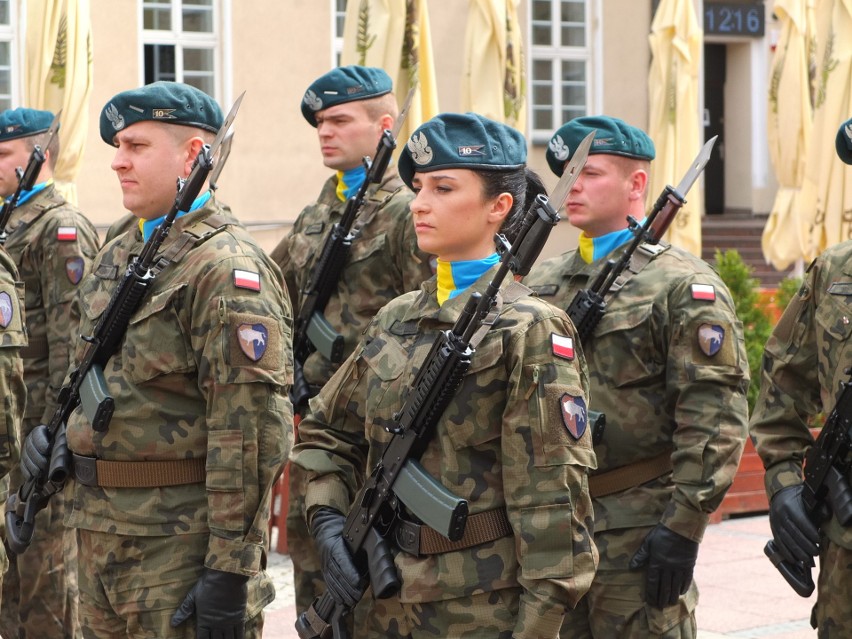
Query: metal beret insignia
421, 153
313, 101
115, 118
6, 309
848, 131
574, 414
559, 148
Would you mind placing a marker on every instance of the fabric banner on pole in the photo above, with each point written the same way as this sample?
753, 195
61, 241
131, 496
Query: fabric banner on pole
59, 76
825, 198
788, 130
493, 81
394, 35
675, 124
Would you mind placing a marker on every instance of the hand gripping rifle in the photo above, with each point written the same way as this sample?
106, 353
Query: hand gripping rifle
27, 177
825, 489
86, 385
588, 306
398, 478
312, 331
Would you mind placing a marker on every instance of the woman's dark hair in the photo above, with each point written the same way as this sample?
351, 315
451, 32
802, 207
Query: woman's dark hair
523, 184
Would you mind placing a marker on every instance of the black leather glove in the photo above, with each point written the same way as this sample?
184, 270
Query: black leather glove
670, 558
796, 536
344, 583
218, 601
35, 457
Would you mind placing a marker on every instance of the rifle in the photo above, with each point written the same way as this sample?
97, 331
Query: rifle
87, 386
398, 478
588, 306
27, 177
825, 489
312, 331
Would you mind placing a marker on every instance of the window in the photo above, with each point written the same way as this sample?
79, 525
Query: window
7, 54
179, 39
560, 64
338, 17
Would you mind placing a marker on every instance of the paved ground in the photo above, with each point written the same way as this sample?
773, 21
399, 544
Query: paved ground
742, 595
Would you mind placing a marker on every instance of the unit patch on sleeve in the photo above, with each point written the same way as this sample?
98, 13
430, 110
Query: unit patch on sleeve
246, 279
710, 339
66, 233
74, 267
253, 340
574, 414
562, 346
6, 309
704, 292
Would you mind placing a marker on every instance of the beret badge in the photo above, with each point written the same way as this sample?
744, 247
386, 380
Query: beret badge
115, 118
559, 148
421, 153
313, 101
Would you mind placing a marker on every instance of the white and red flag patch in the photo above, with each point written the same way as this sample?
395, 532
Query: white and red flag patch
704, 292
246, 279
66, 233
562, 345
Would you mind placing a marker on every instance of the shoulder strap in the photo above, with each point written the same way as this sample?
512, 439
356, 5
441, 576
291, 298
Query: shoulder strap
376, 200
512, 293
644, 255
190, 237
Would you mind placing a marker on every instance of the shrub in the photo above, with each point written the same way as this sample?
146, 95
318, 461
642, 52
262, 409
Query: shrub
737, 277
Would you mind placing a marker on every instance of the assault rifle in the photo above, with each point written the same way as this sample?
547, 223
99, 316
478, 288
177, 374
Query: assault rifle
588, 306
27, 177
312, 331
398, 478
825, 488
87, 386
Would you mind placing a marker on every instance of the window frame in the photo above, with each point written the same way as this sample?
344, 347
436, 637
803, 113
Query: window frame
336, 38
11, 34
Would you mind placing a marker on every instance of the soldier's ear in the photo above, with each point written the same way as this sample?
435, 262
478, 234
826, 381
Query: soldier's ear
193, 148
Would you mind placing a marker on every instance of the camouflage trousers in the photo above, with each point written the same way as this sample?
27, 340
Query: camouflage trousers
40, 587
615, 604
131, 586
832, 614
489, 615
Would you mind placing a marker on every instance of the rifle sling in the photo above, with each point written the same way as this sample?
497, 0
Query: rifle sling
481, 528
91, 471
629, 476
643, 256
375, 201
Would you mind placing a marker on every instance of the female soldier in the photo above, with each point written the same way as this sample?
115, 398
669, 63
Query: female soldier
513, 441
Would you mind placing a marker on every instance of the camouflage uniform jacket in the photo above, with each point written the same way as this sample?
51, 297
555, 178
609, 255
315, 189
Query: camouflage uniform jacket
804, 363
501, 444
13, 338
53, 245
658, 389
203, 372
384, 261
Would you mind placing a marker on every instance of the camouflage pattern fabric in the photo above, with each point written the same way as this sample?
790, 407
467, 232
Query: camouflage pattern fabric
668, 369
384, 262
804, 363
13, 338
203, 372
506, 441
121, 225
53, 245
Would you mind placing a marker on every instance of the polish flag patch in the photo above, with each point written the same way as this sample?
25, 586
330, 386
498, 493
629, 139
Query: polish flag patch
247, 279
562, 346
704, 292
66, 233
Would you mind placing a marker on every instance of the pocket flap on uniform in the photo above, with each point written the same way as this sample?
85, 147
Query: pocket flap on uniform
157, 303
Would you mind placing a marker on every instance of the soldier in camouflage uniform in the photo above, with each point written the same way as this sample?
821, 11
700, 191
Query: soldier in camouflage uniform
513, 441
172, 501
349, 107
13, 339
53, 245
805, 361
669, 372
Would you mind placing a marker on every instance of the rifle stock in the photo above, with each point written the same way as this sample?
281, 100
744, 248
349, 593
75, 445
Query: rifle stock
398, 478
23, 505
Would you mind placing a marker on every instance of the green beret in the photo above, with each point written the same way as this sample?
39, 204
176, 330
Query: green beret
843, 142
22, 123
168, 102
612, 136
462, 141
344, 84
